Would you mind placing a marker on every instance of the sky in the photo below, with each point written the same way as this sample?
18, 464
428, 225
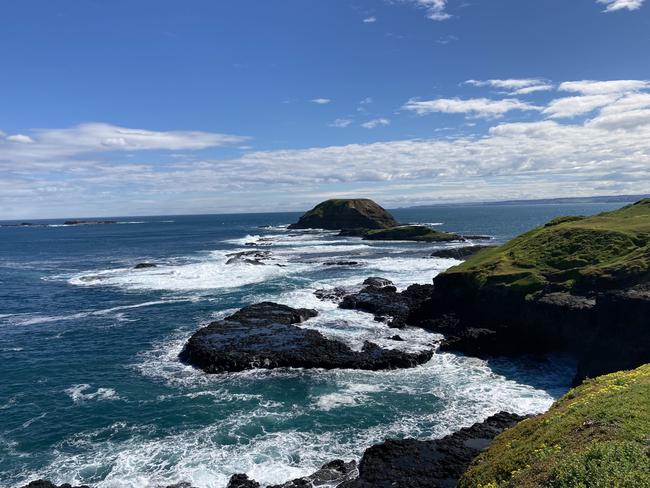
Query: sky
142, 107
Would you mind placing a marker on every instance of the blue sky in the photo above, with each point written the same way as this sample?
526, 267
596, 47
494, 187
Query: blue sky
141, 107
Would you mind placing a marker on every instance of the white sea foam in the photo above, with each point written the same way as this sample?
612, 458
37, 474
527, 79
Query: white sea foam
76, 393
31, 319
466, 390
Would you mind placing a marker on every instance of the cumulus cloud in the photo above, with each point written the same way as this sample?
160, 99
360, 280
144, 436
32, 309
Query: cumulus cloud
474, 107
615, 5
371, 124
573, 106
591, 87
321, 101
607, 151
523, 86
22, 138
370, 20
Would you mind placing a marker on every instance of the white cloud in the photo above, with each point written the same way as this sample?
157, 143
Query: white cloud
370, 20
591, 87
573, 106
523, 86
615, 5
436, 9
22, 138
473, 107
321, 101
371, 124
341, 123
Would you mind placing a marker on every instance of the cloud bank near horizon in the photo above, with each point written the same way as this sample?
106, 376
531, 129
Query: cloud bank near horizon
590, 137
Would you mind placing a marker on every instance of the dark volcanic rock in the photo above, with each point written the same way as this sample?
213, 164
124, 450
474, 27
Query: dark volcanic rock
477, 237
263, 336
331, 473
144, 265
380, 298
459, 253
411, 463
256, 258
89, 222
341, 263
48, 484
242, 481
377, 282
331, 294
346, 214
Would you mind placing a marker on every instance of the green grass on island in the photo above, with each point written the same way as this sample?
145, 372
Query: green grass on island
418, 233
608, 250
597, 435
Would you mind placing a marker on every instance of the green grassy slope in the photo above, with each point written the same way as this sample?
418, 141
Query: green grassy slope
597, 435
604, 251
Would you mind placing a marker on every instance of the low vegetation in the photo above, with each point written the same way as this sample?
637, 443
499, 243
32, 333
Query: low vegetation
597, 435
608, 250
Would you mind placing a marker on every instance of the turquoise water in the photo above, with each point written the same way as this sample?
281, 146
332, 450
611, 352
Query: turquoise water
91, 391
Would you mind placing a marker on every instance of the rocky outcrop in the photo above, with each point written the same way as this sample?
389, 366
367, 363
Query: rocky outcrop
606, 331
255, 258
49, 484
459, 253
411, 463
144, 265
330, 474
346, 214
89, 222
380, 297
264, 336
415, 233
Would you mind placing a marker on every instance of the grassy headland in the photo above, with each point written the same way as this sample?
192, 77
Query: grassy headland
597, 435
608, 250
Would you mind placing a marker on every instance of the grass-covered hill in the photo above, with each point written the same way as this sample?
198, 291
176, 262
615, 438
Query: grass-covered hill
597, 435
609, 250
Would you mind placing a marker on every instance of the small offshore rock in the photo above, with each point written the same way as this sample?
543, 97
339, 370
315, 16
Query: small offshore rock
264, 336
242, 481
145, 265
411, 463
377, 282
49, 484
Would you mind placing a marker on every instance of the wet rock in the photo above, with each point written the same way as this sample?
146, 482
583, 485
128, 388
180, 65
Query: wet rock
397, 338
255, 258
264, 336
477, 237
49, 484
331, 294
377, 282
410, 463
330, 474
341, 263
380, 298
89, 222
144, 265
459, 253
242, 481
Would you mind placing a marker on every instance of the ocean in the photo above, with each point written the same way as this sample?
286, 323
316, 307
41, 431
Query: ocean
91, 390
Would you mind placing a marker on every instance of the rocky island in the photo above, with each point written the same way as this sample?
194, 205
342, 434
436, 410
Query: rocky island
264, 335
366, 219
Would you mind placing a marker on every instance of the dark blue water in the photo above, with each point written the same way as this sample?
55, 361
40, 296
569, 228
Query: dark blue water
91, 391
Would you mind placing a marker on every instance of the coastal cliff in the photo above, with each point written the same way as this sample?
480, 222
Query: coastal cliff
576, 284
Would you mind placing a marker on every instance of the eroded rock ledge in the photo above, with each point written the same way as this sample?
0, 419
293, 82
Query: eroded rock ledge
264, 336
